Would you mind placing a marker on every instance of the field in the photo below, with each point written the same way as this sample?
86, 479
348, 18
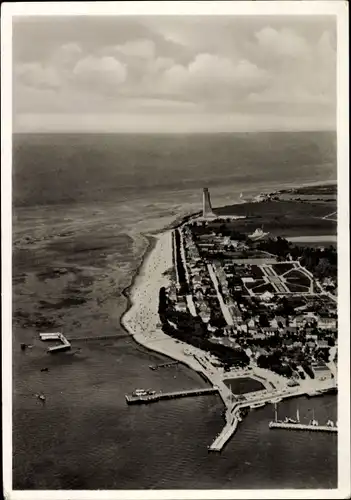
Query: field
294, 288
283, 218
282, 268
282, 278
297, 278
267, 287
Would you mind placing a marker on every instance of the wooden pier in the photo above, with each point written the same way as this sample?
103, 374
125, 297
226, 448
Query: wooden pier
163, 365
100, 337
64, 346
158, 396
222, 438
302, 427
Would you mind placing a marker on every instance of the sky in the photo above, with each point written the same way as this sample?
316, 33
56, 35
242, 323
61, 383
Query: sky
174, 74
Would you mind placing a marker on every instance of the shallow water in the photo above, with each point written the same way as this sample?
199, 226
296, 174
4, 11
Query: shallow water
79, 201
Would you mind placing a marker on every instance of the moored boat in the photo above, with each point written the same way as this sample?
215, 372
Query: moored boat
257, 405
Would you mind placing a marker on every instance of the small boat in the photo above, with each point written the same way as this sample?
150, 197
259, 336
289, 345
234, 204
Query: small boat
276, 400
257, 405
288, 420
313, 422
44, 369
139, 392
314, 392
41, 397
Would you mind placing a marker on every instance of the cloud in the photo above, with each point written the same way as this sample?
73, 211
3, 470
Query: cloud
208, 72
37, 75
101, 71
306, 73
142, 49
284, 42
67, 55
212, 65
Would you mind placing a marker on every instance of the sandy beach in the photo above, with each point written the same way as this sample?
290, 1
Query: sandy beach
141, 320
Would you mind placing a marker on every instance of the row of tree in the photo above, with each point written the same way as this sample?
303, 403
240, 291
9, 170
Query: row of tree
183, 326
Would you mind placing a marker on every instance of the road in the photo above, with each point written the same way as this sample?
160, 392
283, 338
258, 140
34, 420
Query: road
224, 308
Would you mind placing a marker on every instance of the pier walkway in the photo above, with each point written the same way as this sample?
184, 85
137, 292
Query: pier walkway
163, 365
65, 344
158, 396
100, 337
222, 438
302, 427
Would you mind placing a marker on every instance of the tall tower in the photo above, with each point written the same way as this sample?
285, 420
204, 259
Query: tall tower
206, 204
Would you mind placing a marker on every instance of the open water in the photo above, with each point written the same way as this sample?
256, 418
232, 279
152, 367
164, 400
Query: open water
81, 203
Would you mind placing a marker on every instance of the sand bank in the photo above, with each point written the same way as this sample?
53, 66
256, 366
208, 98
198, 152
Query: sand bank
313, 239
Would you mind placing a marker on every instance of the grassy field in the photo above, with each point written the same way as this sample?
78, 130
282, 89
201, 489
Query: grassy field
283, 218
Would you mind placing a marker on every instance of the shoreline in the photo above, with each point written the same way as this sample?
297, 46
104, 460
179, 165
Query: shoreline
153, 238
141, 321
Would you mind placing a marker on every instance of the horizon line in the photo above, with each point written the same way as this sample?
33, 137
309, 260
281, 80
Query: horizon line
145, 132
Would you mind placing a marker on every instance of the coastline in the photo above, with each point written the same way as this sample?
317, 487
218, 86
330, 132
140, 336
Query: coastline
140, 319
130, 292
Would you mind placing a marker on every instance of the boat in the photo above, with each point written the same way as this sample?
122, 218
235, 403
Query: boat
314, 392
276, 400
143, 392
288, 420
257, 405
313, 422
139, 392
41, 397
290, 423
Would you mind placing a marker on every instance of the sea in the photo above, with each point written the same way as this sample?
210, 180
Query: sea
82, 208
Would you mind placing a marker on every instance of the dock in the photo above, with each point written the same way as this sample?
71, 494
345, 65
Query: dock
163, 365
224, 436
302, 427
159, 396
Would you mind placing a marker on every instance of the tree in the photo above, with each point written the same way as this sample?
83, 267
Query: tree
263, 319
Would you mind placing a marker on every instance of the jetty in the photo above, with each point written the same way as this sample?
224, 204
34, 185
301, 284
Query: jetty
302, 427
100, 337
64, 346
163, 365
296, 425
151, 396
224, 436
